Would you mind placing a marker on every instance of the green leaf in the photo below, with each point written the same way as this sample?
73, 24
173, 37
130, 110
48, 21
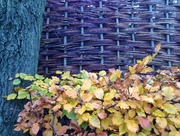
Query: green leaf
47, 81
11, 96
16, 81
22, 94
84, 125
22, 75
169, 108
142, 134
43, 92
30, 78
158, 113
94, 121
114, 135
64, 112
122, 129
71, 115
40, 77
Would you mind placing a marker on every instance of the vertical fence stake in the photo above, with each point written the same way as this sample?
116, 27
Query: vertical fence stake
152, 29
82, 33
47, 37
101, 35
168, 35
65, 37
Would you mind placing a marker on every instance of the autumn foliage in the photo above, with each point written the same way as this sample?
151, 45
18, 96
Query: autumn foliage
134, 103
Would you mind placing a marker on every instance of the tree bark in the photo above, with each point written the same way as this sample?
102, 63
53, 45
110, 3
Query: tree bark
20, 32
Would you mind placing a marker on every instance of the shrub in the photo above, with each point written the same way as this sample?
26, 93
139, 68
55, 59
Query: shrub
134, 103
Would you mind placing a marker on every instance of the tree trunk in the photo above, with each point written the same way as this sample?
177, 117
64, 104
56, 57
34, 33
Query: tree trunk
20, 32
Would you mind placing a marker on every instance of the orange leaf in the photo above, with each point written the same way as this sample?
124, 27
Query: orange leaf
62, 130
71, 93
86, 97
35, 128
158, 47
144, 122
86, 85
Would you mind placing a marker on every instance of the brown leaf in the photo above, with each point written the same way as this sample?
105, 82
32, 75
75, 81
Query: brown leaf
96, 104
144, 122
174, 69
35, 128
75, 126
62, 130
102, 114
91, 134
102, 134
17, 128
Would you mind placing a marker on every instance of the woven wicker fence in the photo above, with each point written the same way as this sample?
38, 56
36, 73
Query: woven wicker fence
102, 34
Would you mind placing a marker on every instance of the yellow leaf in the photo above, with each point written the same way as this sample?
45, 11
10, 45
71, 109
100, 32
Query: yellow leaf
169, 108
67, 107
147, 99
117, 118
108, 103
132, 125
177, 105
146, 70
11, 96
123, 105
147, 60
48, 132
116, 74
86, 116
102, 73
110, 95
131, 113
82, 110
105, 123
94, 121
89, 106
168, 92
57, 107
162, 122
86, 85
122, 129
139, 61
132, 70
99, 93
158, 113
66, 75
176, 120
58, 72
174, 133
